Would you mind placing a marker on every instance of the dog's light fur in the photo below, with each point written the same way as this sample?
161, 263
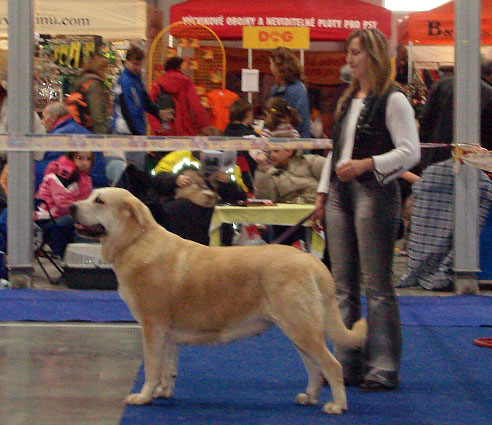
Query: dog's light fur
185, 293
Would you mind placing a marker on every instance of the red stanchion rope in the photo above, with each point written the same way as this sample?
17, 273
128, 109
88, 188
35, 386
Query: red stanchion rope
483, 342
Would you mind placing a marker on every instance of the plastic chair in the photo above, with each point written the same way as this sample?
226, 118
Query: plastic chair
46, 233
42, 250
115, 170
41, 247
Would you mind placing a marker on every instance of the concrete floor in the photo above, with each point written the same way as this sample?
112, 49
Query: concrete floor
66, 374
78, 373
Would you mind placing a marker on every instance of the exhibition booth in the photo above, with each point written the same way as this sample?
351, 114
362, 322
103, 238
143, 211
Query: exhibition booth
329, 22
66, 32
429, 36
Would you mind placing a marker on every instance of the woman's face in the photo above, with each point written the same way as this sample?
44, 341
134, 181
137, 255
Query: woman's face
280, 157
273, 68
357, 59
47, 119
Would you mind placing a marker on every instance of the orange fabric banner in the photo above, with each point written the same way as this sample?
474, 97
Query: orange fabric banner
436, 26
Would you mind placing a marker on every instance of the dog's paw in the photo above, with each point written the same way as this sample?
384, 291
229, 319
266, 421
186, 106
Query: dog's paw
137, 399
161, 392
333, 408
305, 399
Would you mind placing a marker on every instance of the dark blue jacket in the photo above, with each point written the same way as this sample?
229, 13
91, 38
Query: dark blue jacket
131, 101
70, 126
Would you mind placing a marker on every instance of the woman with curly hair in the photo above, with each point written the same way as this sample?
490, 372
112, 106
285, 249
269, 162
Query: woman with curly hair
281, 119
288, 73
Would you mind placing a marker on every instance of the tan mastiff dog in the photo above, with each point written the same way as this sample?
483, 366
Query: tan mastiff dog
182, 292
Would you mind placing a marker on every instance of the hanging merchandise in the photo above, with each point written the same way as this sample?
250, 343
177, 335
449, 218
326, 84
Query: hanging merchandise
194, 65
207, 53
216, 75
202, 52
58, 63
171, 52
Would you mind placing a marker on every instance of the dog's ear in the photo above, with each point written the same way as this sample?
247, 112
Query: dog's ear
138, 210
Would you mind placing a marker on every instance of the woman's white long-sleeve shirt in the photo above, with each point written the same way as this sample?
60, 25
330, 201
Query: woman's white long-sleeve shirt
400, 122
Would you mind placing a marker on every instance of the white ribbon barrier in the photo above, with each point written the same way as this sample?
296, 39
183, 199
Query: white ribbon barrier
90, 142
474, 155
462, 152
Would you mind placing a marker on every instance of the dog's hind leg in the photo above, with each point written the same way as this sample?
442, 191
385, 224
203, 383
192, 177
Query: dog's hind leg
169, 371
310, 397
309, 339
332, 370
154, 347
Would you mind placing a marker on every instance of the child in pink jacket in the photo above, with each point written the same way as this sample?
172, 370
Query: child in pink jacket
65, 181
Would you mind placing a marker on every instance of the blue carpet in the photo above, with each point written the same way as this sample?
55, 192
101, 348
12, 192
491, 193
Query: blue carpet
62, 306
104, 306
464, 310
446, 380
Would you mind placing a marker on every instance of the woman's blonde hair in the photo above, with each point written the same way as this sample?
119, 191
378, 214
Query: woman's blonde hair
375, 44
95, 64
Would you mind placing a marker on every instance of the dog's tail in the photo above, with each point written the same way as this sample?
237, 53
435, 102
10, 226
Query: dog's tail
335, 328
338, 333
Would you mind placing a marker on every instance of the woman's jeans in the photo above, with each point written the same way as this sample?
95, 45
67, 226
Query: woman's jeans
361, 224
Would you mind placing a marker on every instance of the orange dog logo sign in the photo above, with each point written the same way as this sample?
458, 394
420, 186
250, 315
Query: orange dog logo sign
275, 36
271, 37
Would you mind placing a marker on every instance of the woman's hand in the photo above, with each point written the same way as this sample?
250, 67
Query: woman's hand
350, 169
318, 218
166, 114
183, 180
262, 160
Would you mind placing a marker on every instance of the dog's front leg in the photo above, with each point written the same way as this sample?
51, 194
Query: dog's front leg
153, 343
169, 371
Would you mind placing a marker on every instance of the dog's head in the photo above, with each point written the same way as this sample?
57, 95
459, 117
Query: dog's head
197, 192
110, 213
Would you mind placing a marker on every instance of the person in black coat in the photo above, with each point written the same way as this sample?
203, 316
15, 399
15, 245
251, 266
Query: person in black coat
436, 119
183, 216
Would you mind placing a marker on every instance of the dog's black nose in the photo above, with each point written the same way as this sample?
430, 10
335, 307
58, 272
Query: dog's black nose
73, 209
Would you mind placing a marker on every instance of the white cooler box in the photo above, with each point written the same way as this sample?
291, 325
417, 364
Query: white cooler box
85, 269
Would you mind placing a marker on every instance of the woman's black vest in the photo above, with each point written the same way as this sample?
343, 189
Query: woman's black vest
371, 135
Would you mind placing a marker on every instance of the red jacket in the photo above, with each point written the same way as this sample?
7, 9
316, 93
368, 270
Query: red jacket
190, 116
55, 194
